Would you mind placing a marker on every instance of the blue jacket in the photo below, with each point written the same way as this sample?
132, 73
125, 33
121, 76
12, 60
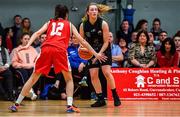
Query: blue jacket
73, 57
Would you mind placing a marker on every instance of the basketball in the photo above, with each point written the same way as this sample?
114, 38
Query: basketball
84, 53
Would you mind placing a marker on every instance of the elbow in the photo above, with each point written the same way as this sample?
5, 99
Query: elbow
37, 34
122, 58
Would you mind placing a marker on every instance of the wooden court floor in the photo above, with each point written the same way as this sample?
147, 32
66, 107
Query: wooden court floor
128, 108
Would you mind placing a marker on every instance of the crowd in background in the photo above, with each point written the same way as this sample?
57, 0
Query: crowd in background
135, 47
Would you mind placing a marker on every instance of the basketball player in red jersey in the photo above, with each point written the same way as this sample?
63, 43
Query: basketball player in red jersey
54, 52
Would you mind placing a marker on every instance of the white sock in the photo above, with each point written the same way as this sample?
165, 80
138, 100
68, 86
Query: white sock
69, 101
20, 98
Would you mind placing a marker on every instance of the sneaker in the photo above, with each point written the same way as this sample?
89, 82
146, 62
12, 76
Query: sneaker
33, 97
83, 82
72, 108
117, 101
99, 103
14, 108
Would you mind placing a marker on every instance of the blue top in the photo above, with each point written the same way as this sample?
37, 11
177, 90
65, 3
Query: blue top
73, 56
116, 50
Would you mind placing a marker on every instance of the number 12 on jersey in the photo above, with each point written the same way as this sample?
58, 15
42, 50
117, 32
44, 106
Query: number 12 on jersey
56, 29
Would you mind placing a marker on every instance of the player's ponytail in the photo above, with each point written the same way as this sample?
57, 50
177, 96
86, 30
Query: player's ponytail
101, 8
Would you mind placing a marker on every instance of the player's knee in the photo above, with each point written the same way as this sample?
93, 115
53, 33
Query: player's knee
107, 74
68, 79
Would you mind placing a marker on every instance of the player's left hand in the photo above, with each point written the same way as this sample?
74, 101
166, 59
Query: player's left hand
101, 57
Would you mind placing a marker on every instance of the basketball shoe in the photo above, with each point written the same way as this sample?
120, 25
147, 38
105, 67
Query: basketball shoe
14, 108
72, 108
99, 103
117, 101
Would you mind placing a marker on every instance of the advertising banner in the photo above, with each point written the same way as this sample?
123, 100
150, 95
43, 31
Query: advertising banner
147, 83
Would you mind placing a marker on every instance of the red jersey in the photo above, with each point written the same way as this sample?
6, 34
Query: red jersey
58, 34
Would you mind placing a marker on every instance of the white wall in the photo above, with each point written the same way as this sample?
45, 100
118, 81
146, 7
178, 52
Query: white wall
39, 11
168, 11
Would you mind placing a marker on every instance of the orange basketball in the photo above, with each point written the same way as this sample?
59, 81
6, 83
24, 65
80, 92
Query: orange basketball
84, 53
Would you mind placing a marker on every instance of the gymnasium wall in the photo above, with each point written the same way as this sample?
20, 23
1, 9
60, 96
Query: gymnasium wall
39, 11
166, 10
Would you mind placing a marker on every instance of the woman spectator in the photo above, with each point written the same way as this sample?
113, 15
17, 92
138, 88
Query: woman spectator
26, 26
23, 61
142, 25
142, 54
167, 55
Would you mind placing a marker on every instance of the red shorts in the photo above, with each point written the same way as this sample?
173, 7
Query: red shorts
51, 56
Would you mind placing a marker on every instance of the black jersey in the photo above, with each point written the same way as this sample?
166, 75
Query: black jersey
94, 34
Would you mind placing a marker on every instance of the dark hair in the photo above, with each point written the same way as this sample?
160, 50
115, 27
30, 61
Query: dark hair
61, 11
23, 20
163, 32
17, 16
146, 34
140, 23
122, 38
157, 20
124, 20
171, 42
177, 34
22, 35
6, 30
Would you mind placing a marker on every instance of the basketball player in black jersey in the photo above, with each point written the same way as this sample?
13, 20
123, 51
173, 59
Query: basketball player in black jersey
96, 31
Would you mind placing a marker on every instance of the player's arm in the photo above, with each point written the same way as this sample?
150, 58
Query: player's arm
81, 30
37, 34
81, 40
86, 44
105, 29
